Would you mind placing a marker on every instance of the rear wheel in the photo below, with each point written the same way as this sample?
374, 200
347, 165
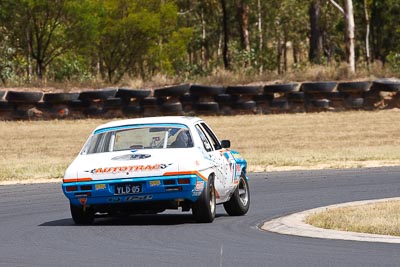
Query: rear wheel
204, 208
239, 203
82, 215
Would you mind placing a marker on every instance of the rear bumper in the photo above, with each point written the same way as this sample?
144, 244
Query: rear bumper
187, 187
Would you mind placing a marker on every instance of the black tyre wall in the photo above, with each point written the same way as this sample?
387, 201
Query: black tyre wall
177, 90
60, 98
243, 90
280, 88
202, 90
24, 97
127, 94
97, 94
318, 87
354, 87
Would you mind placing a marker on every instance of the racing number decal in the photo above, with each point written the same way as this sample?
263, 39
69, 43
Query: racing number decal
231, 172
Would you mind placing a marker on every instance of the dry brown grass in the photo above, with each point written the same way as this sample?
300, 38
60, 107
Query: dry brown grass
40, 149
379, 218
319, 140
43, 149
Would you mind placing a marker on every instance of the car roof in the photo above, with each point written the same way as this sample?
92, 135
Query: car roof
151, 120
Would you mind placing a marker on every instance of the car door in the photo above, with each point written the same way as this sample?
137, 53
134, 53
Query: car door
224, 162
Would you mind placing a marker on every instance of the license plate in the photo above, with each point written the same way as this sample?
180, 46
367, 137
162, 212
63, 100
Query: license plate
127, 189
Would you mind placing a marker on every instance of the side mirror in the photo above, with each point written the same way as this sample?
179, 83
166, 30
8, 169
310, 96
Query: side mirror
226, 144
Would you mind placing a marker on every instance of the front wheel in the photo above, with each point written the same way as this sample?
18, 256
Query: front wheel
82, 215
239, 203
204, 208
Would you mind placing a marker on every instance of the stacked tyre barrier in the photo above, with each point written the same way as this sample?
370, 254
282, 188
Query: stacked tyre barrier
195, 99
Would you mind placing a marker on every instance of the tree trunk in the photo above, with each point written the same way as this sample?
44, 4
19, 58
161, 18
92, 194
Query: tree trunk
284, 46
367, 25
225, 52
350, 37
316, 46
260, 33
203, 41
243, 12
348, 15
376, 33
279, 55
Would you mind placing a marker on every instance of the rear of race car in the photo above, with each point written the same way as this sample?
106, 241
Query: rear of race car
133, 182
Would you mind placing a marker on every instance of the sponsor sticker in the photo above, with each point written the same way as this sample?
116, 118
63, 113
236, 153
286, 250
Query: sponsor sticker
100, 186
155, 183
196, 193
114, 199
133, 198
129, 169
132, 157
199, 186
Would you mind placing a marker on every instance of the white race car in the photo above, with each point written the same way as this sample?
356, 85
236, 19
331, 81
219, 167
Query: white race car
148, 165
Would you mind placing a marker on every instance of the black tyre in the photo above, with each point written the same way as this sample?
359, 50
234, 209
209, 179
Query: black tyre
78, 104
150, 102
60, 98
336, 96
261, 99
81, 215
97, 94
203, 90
2, 94
357, 102
187, 99
318, 87
94, 111
279, 104
132, 110
127, 94
354, 87
243, 90
207, 107
239, 203
296, 96
225, 99
245, 105
6, 106
24, 97
175, 108
177, 90
280, 88
320, 103
205, 207
386, 86
113, 102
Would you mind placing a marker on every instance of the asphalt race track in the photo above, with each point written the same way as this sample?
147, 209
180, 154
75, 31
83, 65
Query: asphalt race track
36, 228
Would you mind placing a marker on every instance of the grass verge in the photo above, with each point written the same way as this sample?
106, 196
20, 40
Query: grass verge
379, 218
43, 149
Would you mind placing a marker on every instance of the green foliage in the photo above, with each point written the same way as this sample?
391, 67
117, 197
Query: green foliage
174, 52
70, 67
69, 40
393, 61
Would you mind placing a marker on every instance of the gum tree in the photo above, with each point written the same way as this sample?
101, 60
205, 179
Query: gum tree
45, 30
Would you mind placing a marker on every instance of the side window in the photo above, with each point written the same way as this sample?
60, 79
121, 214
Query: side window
206, 143
99, 143
214, 140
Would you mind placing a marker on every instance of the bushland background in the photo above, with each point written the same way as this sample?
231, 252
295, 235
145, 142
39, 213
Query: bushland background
141, 43
69, 45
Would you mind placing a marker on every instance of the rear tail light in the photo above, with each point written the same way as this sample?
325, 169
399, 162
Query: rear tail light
86, 187
71, 188
184, 181
169, 182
